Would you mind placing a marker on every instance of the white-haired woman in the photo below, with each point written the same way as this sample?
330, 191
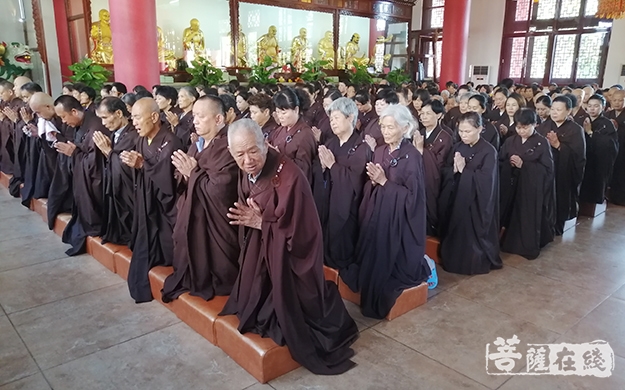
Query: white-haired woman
339, 180
391, 243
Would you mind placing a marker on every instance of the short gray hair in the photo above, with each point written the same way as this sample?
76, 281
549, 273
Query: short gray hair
465, 96
246, 126
345, 106
402, 116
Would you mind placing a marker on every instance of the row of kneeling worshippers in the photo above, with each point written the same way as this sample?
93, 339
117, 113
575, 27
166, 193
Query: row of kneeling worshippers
253, 208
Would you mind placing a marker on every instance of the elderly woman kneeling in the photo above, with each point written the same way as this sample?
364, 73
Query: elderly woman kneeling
391, 244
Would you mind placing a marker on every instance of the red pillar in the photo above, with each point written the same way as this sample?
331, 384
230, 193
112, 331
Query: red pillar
62, 35
135, 51
455, 37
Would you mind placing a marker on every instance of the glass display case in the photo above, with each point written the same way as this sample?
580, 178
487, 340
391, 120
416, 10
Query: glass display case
286, 35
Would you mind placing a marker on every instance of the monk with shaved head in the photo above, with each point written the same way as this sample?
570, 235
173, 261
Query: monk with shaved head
155, 196
617, 115
13, 112
9, 100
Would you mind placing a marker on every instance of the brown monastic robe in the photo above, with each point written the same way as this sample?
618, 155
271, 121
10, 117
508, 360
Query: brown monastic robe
281, 291
206, 247
297, 143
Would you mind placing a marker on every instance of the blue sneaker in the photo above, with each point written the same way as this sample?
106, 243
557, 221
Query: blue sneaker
433, 280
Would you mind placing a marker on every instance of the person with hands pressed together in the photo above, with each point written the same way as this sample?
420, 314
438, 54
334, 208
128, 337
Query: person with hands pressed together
469, 203
118, 177
391, 243
280, 291
155, 196
568, 146
182, 122
206, 247
601, 151
339, 179
527, 189
434, 143
617, 116
87, 164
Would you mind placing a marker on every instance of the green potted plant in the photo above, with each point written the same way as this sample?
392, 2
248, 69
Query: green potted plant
89, 73
397, 77
263, 72
204, 73
358, 75
314, 70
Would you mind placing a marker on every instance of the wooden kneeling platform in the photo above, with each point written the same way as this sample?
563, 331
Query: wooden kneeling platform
592, 210
431, 248
410, 298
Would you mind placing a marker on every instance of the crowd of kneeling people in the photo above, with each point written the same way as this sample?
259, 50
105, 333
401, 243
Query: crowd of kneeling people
249, 191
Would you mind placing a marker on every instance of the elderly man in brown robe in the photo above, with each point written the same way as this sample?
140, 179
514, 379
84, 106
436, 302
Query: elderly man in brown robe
206, 248
155, 196
280, 291
87, 169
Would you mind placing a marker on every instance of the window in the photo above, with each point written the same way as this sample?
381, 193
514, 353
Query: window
554, 40
430, 38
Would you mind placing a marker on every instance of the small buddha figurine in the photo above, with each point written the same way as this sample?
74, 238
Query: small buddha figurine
101, 35
165, 56
380, 60
326, 49
193, 40
298, 50
241, 49
267, 46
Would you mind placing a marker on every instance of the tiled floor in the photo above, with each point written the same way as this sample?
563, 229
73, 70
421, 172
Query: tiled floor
68, 323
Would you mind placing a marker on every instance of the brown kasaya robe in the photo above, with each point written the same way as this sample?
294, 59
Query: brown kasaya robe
281, 291
119, 189
154, 211
297, 143
206, 247
373, 130
365, 119
435, 151
7, 150
88, 189
269, 127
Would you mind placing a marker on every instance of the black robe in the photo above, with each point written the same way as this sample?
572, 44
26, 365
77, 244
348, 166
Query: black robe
87, 186
60, 193
601, 151
297, 143
325, 128
19, 154
184, 129
373, 129
569, 162
617, 184
435, 153
581, 116
338, 193
314, 114
391, 243
31, 149
154, 211
489, 133
206, 247
281, 291
47, 162
470, 202
451, 117
510, 125
119, 192
527, 196
365, 119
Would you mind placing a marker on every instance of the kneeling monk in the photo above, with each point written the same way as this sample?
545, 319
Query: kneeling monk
280, 291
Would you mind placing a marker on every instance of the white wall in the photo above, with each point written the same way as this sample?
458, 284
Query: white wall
52, 47
616, 54
417, 15
12, 30
485, 35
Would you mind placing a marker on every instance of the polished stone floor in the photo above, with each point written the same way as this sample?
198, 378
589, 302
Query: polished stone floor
69, 323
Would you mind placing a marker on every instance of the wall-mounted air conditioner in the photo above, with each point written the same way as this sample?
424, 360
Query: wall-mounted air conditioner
480, 74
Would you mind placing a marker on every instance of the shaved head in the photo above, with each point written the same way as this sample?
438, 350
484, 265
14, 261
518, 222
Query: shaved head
579, 94
146, 117
42, 104
19, 82
618, 100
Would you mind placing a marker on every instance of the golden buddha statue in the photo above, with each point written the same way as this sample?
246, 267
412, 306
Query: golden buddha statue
165, 56
267, 46
241, 49
326, 49
298, 50
351, 49
102, 37
193, 41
